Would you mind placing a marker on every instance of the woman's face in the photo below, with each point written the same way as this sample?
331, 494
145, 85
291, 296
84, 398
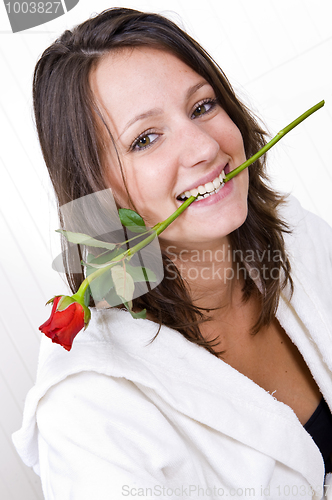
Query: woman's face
172, 137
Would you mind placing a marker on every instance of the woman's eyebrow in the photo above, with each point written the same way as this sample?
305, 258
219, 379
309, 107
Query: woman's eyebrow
141, 116
191, 91
159, 111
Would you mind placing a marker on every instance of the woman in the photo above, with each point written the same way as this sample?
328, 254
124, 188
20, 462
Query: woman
130, 102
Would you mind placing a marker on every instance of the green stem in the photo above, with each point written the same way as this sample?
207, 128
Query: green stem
161, 226
273, 141
157, 229
84, 285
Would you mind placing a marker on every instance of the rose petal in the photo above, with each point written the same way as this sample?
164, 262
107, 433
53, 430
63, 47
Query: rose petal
63, 326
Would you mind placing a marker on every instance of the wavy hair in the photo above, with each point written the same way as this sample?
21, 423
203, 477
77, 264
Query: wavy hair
66, 120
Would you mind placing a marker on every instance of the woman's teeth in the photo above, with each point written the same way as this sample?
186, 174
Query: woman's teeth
204, 191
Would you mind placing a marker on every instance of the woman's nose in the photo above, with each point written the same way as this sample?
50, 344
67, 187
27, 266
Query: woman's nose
196, 145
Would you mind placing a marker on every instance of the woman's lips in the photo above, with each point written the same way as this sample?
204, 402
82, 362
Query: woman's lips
214, 182
211, 199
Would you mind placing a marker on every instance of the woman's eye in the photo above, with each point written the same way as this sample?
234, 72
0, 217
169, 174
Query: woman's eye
144, 141
203, 108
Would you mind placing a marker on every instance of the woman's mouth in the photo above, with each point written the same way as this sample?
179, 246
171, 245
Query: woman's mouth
206, 190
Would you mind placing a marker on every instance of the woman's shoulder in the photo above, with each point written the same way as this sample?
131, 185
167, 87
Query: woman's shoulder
299, 218
113, 358
114, 344
309, 234
93, 434
308, 245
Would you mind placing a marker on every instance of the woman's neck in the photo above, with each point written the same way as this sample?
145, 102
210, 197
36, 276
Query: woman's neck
213, 278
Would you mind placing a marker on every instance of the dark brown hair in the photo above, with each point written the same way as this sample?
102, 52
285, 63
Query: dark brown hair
65, 115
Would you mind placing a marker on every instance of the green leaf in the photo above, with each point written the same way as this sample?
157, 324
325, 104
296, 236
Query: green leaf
123, 282
112, 298
101, 286
132, 220
96, 262
84, 239
140, 273
103, 257
87, 296
138, 315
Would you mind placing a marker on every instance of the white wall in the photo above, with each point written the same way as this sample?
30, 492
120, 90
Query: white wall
278, 56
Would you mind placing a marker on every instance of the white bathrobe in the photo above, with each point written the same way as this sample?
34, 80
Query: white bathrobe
119, 417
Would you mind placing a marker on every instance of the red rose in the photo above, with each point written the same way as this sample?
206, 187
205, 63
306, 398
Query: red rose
68, 317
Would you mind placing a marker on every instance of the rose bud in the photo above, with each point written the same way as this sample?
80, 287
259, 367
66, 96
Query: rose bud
68, 317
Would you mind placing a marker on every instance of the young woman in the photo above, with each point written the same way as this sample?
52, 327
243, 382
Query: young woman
233, 396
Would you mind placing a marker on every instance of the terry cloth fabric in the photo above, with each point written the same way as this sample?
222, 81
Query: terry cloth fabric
119, 416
